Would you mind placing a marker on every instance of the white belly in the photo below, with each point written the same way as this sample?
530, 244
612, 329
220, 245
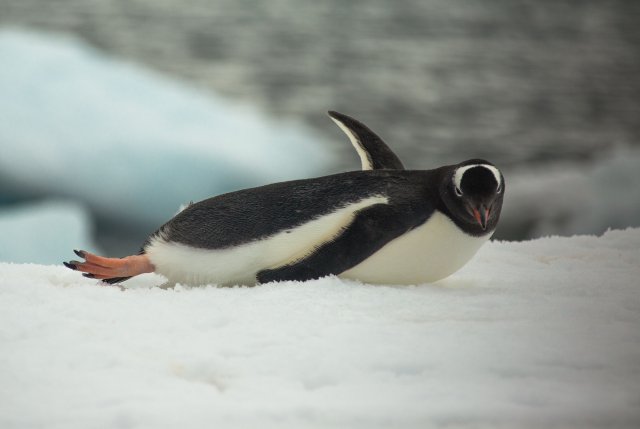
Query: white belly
433, 251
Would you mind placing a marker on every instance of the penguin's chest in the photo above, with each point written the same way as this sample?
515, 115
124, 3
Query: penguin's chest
430, 252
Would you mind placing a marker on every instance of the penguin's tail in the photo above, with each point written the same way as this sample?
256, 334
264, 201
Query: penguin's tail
110, 270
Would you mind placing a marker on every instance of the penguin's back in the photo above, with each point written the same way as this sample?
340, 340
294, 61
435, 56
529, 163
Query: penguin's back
240, 264
253, 214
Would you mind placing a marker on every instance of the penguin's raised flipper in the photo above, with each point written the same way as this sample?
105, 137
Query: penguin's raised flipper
372, 228
110, 270
373, 151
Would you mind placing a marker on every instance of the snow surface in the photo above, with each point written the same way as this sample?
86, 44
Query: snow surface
535, 334
130, 143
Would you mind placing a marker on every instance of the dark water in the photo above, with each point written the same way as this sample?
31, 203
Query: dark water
512, 81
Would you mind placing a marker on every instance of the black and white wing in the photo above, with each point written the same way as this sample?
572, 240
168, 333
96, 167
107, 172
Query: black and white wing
373, 151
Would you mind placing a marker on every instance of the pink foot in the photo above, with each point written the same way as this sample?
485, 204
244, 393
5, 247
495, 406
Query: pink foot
98, 267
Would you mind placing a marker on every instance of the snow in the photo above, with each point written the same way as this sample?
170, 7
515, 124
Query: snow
132, 144
533, 334
43, 232
543, 333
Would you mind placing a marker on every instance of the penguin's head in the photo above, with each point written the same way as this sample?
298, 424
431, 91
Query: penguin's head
473, 193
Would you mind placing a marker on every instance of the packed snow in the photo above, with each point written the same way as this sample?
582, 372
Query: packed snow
129, 143
534, 334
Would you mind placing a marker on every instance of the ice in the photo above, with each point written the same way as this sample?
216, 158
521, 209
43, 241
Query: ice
571, 199
531, 334
128, 142
43, 233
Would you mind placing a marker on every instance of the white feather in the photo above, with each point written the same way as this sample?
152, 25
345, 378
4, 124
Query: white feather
355, 141
459, 173
431, 252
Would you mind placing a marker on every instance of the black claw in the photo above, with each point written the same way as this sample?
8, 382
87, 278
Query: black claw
80, 253
89, 275
70, 265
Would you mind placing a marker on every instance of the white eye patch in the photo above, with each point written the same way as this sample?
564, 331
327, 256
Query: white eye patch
459, 173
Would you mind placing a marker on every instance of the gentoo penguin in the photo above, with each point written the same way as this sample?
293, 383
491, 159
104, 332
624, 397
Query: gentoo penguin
383, 224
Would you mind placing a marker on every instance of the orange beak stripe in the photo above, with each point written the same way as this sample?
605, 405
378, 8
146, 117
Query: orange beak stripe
476, 214
481, 218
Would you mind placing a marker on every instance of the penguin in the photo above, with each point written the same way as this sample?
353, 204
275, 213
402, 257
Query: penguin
382, 225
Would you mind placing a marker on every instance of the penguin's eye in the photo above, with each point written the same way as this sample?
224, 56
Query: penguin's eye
499, 188
458, 191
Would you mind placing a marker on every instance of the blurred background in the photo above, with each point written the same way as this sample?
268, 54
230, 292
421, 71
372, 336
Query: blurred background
114, 112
